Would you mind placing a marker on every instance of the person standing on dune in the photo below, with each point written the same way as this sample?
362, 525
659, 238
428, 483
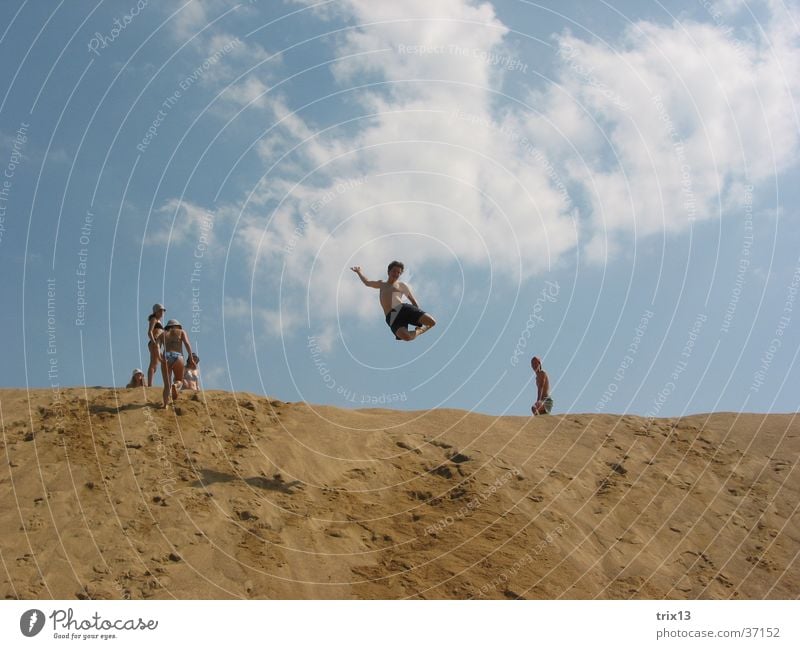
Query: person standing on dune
154, 329
544, 404
399, 314
173, 338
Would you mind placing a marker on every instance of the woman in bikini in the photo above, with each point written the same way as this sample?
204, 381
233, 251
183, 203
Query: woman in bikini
191, 377
154, 328
174, 339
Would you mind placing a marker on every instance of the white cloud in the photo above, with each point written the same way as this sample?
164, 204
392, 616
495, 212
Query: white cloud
240, 70
706, 113
192, 17
275, 323
644, 138
249, 92
181, 222
444, 183
59, 156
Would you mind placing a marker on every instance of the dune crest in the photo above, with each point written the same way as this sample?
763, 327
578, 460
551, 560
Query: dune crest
241, 496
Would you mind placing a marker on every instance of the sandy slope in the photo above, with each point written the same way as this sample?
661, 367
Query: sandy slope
103, 495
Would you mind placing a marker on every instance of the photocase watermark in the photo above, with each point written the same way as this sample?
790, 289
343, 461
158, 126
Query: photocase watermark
66, 626
689, 200
528, 148
203, 240
711, 8
370, 399
187, 82
52, 340
14, 160
744, 260
80, 270
168, 479
58, 404
496, 59
322, 367
627, 361
570, 55
475, 503
548, 294
502, 579
343, 391
341, 188
680, 368
102, 41
783, 323
31, 622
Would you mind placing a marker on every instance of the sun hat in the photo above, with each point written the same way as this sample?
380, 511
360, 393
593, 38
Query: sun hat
173, 323
137, 371
159, 307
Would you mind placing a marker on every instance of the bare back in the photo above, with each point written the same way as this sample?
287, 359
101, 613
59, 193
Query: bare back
173, 340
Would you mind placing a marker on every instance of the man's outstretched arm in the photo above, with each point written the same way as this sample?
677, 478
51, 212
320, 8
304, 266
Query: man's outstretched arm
367, 282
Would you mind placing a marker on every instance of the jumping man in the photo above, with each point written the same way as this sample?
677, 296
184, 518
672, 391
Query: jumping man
399, 314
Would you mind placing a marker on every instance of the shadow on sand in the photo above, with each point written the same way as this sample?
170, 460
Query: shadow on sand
96, 409
276, 483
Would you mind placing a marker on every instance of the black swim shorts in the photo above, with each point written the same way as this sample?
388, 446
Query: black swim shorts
406, 314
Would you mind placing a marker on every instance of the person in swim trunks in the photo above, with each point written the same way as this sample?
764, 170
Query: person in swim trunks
399, 314
544, 404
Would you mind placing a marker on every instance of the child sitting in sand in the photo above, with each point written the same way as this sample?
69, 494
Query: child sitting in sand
137, 379
191, 377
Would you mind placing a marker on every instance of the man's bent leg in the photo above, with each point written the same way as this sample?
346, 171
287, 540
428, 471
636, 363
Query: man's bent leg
427, 321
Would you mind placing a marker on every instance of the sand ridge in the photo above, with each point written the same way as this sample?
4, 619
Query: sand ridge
104, 495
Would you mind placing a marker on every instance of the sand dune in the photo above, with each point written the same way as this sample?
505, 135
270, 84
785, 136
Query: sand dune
103, 495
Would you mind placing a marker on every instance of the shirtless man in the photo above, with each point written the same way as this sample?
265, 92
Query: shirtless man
544, 404
399, 314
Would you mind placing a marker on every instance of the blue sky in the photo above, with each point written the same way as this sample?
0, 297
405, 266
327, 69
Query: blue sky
611, 186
